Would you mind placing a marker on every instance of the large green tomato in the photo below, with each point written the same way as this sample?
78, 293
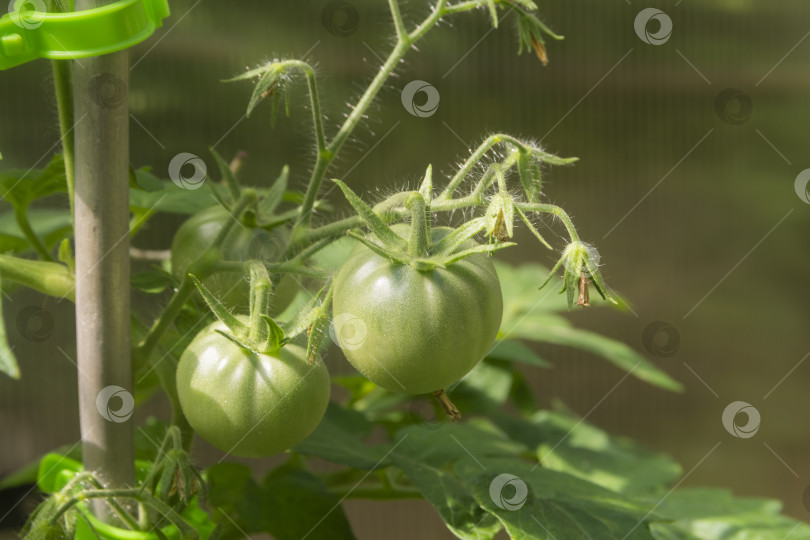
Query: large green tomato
197, 234
247, 404
415, 331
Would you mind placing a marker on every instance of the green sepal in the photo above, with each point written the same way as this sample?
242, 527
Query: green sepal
426, 187
382, 251
452, 241
551, 159
65, 255
271, 75
239, 342
388, 237
309, 314
500, 213
532, 228
483, 248
218, 195
236, 326
275, 335
525, 172
274, 196
493, 13
227, 174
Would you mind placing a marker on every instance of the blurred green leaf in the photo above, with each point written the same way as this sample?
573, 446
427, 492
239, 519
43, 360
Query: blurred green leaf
164, 196
153, 281
338, 439
515, 351
484, 389
20, 188
8, 361
715, 514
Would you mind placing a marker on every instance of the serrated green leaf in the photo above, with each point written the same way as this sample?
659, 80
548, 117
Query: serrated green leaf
297, 505
451, 499
454, 441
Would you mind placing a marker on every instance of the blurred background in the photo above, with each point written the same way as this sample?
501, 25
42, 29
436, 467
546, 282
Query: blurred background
690, 147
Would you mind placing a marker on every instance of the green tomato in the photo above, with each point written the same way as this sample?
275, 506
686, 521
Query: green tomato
247, 404
197, 234
413, 331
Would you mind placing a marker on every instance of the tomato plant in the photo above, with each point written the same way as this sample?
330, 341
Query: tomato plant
418, 305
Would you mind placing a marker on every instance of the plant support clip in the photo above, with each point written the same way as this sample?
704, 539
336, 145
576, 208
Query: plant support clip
27, 34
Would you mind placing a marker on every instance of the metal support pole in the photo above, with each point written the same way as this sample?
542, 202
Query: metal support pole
102, 265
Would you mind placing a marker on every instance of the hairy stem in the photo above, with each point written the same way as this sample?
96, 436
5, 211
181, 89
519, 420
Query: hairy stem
555, 211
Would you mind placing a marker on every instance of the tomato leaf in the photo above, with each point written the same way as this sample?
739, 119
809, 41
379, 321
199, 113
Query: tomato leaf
298, 505
516, 351
338, 439
227, 174
452, 499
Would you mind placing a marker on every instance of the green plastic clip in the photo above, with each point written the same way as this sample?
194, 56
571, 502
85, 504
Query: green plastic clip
27, 34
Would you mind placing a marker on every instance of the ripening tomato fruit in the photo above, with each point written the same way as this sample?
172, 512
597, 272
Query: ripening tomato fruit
197, 234
416, 331
247, 404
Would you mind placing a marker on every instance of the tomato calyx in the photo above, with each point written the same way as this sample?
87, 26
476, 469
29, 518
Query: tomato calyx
261, 335
580, 262
417, 250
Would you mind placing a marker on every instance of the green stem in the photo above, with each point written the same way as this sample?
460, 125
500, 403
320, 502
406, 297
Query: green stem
326, 158
63, 88
399, 24
260, 292
25, 226
418, 242
554, 210
474, 158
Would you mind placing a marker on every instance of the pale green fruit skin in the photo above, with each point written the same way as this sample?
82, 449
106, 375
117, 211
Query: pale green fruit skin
412, 331
250, 405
